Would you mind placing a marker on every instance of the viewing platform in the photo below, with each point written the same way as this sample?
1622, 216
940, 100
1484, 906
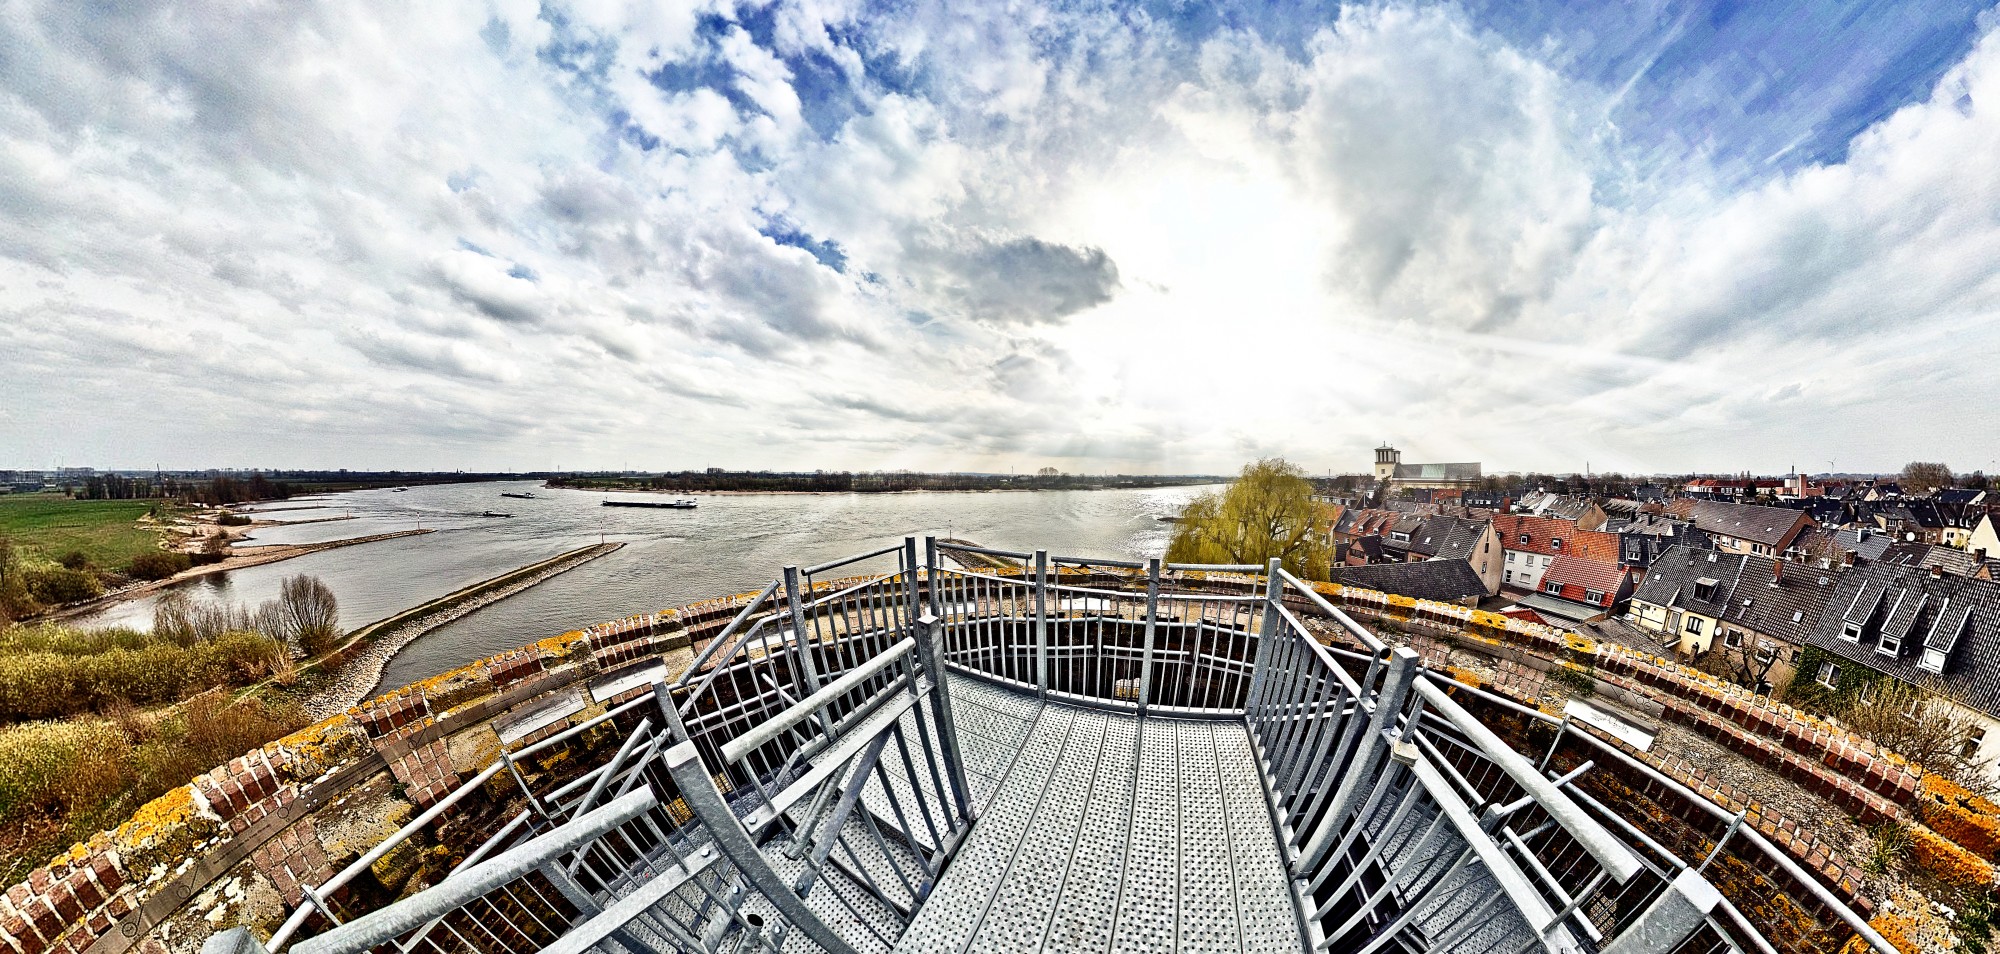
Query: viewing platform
1083, 755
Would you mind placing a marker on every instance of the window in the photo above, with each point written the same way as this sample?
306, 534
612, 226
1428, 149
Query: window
1865, 694
1766, 654
1829, 676
1552, 587
1593, 596
1916, 705
1890, 645
1971, 745
1851, 632
1556, 544
1732, 638
1524, 539
1399, 536
1693, 625
1704, 589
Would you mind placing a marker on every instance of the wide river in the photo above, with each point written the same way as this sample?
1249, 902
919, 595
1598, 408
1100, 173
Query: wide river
730, 544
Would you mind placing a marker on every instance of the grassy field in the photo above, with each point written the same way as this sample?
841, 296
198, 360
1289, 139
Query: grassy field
50, 525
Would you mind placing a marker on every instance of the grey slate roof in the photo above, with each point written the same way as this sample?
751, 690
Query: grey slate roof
1743, 593
1448, 537
1442, 580
1945, 612
1926, 555
1770, 526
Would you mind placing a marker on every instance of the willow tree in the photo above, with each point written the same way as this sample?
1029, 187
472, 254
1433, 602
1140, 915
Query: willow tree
1267, 512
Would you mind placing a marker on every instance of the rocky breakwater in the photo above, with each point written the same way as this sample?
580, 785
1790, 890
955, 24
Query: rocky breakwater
361, 676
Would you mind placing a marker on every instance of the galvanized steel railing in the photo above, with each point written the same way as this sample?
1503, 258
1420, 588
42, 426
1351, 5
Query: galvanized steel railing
805, 770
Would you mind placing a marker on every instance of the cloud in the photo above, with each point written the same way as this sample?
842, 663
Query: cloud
1017, 280
813, 233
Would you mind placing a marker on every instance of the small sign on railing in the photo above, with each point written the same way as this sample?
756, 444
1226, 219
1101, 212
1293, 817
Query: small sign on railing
1620, 729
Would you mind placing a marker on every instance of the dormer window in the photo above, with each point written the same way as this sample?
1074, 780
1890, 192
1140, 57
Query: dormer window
1704, 589
1524, 539
1552, 587
1890, 645
1944, 634
1851, 632
1556, 543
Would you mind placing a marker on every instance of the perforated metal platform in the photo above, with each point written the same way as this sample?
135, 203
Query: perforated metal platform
1106, 833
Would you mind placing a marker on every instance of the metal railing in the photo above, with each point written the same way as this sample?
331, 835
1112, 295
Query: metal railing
803, 779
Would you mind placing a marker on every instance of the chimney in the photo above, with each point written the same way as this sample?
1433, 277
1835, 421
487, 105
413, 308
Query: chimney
1777, 572
1937, 570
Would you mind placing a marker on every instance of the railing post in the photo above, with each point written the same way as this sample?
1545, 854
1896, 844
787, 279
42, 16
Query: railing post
1672, 918
1042, 621
931, 575
233, 941
705, 801
913, 610
930, 629
804, 671
1152, 626
1367, 764
1267, 633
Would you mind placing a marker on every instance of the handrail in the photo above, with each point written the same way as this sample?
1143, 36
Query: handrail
798, 712
857, 558
715, 644
1612, 854
462, 887
1358, 631
987, 551
1096, 561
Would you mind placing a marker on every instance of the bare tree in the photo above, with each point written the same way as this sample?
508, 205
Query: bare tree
1922, 476
305, 614
1747, 664
1923, 727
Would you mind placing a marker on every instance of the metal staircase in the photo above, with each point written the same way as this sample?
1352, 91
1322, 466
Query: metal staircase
927, 759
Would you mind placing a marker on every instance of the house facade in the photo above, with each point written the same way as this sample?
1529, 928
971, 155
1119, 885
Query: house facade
1744, 528
1758, 609
1459, 538
1531, 545
1923, 628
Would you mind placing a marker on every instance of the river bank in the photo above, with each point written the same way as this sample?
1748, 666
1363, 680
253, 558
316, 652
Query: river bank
360, 678
253, 556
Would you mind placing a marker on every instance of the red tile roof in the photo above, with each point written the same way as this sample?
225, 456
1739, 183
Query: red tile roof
1589, 574
1542, 532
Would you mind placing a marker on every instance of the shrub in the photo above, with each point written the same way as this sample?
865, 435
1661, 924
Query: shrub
67, 766
158, 565
305, 614
43, 685
59, 584
232, 520
75, 560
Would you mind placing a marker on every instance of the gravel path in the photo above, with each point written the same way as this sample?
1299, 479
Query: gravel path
359, 679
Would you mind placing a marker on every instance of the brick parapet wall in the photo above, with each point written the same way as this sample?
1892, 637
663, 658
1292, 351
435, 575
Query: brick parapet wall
1729, 714
1524, 685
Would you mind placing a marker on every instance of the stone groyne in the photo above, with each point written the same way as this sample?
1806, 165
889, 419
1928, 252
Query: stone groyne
361, 677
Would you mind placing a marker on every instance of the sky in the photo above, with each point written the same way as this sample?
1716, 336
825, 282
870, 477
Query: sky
1162, 237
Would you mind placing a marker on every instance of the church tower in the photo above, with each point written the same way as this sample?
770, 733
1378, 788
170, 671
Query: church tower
1386, 459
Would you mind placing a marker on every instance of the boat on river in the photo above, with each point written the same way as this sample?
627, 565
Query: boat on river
678, 503
506, 493
493, 513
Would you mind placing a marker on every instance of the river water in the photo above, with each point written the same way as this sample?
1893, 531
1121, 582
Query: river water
730, 544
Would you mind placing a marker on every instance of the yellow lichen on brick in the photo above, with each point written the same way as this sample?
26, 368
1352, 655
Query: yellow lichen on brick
1944, 858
